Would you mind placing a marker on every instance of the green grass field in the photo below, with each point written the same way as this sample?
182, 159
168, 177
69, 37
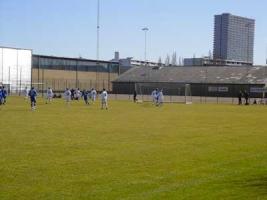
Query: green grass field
132, 151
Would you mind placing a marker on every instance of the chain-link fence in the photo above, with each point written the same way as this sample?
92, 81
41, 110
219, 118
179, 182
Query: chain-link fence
195, 93
223, 88
207, 84
58, 86
180, 94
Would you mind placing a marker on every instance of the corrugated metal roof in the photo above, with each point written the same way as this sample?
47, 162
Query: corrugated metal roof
194, 74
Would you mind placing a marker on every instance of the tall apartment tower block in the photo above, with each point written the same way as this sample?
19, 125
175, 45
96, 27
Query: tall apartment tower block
234, 39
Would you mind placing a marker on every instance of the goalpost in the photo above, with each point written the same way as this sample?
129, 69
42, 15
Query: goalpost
173, 93
188, 94
21, 88
264, 95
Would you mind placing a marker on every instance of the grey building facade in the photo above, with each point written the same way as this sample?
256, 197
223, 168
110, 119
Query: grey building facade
204, 61
234, 38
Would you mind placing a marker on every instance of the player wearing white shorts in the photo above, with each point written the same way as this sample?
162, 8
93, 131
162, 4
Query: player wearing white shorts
93, 94
78, 94
155, 96
160, 98
26, 92
104, 99
49, 95
67, 95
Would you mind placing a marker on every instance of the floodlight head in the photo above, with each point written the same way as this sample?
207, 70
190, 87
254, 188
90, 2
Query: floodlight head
145, 29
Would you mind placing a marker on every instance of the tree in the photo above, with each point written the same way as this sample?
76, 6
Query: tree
159, 61
167, 61
180, 61
174, 59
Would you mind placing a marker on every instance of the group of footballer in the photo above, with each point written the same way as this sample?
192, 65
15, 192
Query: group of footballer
86, 95
69, 95
157, 97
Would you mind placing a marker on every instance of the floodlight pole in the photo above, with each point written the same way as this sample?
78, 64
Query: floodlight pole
98, 29
145, 31
97, 41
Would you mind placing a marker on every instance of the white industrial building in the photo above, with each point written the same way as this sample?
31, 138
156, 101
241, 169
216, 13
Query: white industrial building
15, 68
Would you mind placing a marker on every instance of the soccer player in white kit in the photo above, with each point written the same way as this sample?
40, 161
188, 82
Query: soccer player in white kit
160, 98
26, 93
93, 94
49, 95
104, 99
67, 95
155, 96
77, 94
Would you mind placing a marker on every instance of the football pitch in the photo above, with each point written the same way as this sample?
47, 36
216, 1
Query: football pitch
132, 151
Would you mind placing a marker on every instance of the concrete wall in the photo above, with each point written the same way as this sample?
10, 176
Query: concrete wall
178, 89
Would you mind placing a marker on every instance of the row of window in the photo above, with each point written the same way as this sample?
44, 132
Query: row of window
74, 65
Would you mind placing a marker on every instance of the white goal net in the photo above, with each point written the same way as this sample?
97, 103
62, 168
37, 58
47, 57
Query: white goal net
173, 93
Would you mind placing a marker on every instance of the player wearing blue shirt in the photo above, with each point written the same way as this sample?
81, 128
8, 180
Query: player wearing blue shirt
1, 96
4, 95
33, 94
85, 97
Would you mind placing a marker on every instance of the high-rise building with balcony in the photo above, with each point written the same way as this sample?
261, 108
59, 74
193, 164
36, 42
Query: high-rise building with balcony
234, 39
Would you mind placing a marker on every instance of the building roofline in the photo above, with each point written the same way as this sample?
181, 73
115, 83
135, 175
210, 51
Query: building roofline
77, 59
17, 48
230, 14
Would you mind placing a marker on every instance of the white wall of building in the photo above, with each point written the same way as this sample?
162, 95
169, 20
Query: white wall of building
15, 67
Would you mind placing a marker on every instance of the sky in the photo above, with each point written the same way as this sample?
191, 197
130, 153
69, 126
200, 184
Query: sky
68, 27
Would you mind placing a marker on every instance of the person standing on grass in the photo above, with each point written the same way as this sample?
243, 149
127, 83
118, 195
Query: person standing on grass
104, 99
77, 94
67, 96
72, 93
1, 96
157, 96
89, 94
93, 94
246, 96
154, 96
49, 95
33, 94
85, 95
26, 92
4, 95
240, 95
135, 96
160, 98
